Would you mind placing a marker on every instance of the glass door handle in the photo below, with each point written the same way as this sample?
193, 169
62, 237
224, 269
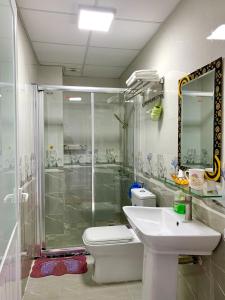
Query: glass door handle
24, 197
9, 198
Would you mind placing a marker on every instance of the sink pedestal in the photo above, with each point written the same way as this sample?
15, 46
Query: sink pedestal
165, 235
159, 276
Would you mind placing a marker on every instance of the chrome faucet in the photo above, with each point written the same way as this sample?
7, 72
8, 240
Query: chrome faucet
188, 208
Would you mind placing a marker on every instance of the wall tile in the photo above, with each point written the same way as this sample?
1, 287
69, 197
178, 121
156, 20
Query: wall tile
218, 292
219, 278
184, 291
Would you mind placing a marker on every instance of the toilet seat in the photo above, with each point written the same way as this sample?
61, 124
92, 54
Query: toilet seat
107, 235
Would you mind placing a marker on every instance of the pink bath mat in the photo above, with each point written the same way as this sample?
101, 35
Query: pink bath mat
59, 266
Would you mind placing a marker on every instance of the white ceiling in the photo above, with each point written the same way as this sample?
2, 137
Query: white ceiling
53, 31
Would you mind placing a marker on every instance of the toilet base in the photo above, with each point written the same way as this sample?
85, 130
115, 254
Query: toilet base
117, 262
121, 267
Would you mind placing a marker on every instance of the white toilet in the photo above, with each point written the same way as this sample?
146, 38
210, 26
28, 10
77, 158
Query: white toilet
143, 197
117, 251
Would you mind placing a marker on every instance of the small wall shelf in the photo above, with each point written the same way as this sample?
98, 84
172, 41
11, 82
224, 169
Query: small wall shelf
75, 147
188, 190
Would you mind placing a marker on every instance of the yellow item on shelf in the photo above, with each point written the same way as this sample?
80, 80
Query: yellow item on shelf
180, 181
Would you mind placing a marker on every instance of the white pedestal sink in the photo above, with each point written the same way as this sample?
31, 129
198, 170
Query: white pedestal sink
165, 235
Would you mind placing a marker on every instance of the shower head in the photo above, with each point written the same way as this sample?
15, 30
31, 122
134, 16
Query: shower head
112, 99
124, 124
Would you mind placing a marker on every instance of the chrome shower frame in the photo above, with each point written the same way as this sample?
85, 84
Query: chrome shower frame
39, 149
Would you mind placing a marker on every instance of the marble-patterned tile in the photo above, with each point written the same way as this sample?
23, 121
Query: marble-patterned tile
219, 277
54, 182
72, 199
135, 290
209, 217
218, 292
54, 203
71, 238
31, 296
184, 291
54, 224
197, 280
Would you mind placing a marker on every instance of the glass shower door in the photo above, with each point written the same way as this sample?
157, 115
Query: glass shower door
86, 171
68, 167
109, 177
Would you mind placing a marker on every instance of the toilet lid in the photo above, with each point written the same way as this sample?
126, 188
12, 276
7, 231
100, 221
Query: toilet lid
142, 193
107, 235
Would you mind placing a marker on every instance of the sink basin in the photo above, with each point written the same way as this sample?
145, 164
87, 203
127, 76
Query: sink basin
165, 231
165, 234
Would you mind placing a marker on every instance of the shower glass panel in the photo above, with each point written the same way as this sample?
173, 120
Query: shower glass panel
111, 182
68, 172
8, 201
87, 172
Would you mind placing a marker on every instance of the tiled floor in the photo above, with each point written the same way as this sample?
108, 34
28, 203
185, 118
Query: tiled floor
71, 287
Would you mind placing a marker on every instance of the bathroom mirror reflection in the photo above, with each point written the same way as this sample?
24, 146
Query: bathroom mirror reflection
200, 119
197, 122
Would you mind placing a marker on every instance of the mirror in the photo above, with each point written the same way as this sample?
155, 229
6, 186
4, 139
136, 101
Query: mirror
197, 110
200, 119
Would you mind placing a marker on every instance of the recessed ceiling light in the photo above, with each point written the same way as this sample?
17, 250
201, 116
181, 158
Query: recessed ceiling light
218, 33
75, 99
95, 19
73, 69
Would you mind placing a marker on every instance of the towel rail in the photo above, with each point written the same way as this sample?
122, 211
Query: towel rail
156, 89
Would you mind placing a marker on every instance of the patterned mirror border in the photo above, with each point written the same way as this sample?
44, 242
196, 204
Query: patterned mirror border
216, 65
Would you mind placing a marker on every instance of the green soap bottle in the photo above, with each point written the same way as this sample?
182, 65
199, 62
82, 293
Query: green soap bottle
177, 206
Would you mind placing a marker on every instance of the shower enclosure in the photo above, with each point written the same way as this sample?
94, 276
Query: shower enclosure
84, 172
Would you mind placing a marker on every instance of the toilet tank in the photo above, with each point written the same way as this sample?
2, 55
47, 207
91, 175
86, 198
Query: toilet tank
142, 197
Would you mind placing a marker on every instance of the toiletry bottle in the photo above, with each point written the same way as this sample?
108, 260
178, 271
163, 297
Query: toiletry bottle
177, 205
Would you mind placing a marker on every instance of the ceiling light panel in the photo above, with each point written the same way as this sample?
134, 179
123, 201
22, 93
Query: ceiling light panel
95, 19
75, 99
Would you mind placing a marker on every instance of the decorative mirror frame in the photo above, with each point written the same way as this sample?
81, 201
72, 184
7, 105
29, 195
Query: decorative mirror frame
216, 65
